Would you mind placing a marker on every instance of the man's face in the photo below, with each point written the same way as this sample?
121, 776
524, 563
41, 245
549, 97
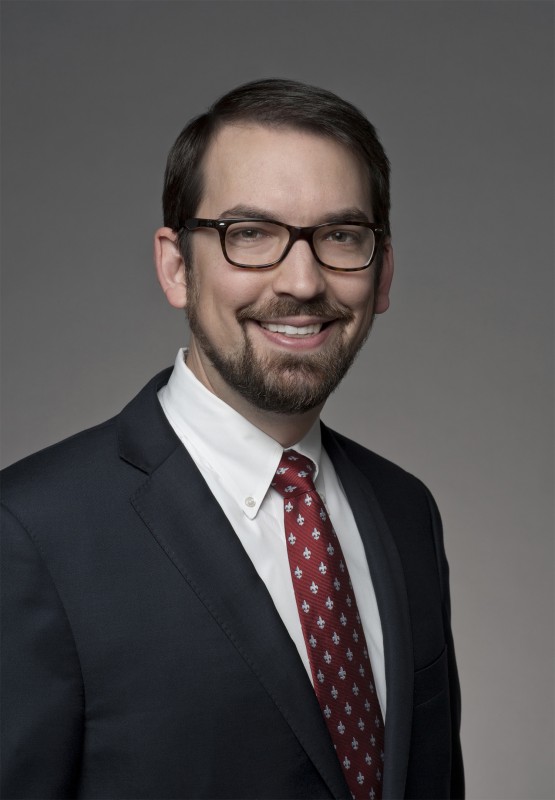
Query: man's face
281, 338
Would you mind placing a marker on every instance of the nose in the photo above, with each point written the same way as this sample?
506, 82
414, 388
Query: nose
299, 275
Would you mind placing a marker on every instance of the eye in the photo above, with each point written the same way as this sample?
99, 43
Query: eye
247, 233
342, 236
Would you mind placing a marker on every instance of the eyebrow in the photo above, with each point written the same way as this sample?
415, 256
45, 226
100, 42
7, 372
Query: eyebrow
351, 213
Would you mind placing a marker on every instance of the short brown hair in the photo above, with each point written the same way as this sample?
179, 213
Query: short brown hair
275, 103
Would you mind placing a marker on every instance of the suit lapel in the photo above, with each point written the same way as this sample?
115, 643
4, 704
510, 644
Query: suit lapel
188, 524
181, 513
389, 585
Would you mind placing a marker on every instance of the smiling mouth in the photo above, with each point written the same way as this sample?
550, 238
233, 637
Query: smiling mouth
293, 330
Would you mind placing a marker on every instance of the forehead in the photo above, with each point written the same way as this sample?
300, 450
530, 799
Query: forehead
295, 175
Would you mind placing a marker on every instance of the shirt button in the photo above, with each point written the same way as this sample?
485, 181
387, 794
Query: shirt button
250, 502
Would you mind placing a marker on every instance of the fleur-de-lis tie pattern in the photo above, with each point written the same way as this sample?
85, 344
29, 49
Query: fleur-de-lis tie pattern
332, 629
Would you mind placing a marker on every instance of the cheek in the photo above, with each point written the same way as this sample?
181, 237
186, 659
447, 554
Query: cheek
363, 320
224, 290
357, 295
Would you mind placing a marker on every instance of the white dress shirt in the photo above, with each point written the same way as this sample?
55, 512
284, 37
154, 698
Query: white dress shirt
238, 461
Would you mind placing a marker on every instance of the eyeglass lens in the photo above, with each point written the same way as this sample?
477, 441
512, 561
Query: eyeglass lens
256, 244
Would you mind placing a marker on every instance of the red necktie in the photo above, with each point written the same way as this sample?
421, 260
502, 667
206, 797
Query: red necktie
332, 629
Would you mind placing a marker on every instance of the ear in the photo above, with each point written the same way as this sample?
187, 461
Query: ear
381, 291
170, 267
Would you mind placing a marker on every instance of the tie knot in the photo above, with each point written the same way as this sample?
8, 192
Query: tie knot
294, 474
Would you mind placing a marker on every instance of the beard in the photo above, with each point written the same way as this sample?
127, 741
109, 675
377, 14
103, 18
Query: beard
282, 383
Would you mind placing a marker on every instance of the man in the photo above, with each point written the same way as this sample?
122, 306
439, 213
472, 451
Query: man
212, 595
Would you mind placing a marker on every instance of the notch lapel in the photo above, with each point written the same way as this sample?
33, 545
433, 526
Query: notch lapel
389, 584
181, 513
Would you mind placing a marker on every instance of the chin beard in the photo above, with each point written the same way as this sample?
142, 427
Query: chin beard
286, 383
283, 384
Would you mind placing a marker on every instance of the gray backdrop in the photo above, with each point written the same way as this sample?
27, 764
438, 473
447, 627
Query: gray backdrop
455, 383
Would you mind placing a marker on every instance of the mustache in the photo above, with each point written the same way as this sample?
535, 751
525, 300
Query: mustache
287, 307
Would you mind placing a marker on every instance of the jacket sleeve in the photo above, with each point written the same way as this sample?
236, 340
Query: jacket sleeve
42, 689
457, 769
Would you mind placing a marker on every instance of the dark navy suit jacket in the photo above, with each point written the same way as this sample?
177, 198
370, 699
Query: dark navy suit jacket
143, 656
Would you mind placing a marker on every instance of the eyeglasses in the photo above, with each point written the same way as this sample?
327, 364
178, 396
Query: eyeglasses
261, 243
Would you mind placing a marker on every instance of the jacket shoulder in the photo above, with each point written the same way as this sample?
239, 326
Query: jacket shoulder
384, 474
62, 466
95, 459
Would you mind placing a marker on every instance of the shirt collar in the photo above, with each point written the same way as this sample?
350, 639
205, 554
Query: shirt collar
242, 456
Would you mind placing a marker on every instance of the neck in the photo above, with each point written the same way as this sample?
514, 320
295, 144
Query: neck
286, 429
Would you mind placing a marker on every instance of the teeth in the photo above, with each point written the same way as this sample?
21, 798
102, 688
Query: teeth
292, 330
